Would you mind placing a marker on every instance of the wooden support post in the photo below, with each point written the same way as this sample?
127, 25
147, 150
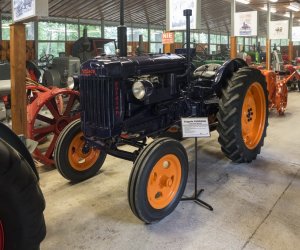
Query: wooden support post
268, 54
167, 48
18, 77
291, 51
233, 48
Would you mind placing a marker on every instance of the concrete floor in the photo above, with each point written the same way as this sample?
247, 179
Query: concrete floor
256, 206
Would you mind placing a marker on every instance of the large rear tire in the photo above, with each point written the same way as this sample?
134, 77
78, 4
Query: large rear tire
71, 161
22, 225
158, 179
243, 115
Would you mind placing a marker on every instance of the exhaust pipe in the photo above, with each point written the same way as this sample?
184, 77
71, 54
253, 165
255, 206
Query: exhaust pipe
122, 32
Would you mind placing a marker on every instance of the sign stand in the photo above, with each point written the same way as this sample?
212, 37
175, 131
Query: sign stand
200, 127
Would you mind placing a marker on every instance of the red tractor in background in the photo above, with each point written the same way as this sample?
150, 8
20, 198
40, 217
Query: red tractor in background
279, 80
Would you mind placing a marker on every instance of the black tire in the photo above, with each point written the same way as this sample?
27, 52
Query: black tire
298, 85
233, 142
66, 166
22, 202
144, 207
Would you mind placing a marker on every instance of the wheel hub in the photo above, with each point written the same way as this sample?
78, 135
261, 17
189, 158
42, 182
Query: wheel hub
164, 181
80, 158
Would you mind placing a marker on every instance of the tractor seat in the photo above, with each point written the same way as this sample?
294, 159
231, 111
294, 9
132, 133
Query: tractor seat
207, 71
5, 87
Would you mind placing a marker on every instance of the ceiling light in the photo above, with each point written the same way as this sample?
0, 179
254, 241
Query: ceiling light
294, 6
273, 1
243, 1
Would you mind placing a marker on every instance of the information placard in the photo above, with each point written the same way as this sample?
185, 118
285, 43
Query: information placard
195, 127
174, 14
27, 10
245, 23
279, 29
296, 34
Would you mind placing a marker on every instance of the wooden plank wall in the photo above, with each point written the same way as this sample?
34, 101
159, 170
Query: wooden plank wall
5, 46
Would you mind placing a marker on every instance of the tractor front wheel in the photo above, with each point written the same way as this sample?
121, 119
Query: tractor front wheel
243, 115
158, 179
73, 160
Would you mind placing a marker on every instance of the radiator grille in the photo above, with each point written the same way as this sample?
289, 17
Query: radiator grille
97, 101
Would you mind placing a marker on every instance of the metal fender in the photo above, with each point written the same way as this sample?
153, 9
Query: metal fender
226, 71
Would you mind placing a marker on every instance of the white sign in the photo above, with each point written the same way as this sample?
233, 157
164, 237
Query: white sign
279, 29
296, 34
195, 127
245, 23
175, 18
25, 10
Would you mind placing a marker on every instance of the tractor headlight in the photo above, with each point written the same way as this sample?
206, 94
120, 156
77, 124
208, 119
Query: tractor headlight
142, 89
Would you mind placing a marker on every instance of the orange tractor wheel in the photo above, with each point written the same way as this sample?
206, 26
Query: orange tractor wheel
243, 115
158, 179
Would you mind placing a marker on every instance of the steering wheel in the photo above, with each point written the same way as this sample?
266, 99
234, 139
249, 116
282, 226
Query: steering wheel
46, 58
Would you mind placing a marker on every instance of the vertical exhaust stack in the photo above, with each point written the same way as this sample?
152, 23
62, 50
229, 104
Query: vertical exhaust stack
188, 13
122, 32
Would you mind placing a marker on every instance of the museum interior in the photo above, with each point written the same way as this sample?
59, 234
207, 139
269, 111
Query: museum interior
138, 124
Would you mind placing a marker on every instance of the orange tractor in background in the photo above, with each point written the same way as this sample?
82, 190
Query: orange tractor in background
278, 83
278, 91
278, 80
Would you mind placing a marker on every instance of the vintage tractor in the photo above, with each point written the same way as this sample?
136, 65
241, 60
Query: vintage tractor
125, 100
49, 110
278, 91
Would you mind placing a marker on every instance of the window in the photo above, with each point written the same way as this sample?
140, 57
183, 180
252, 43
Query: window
53, 48
213, 49
5, 29
72, 32
178, 37
224, 40
110, 32
134, 33
92, 30
156, 35
203, 38
156, 48
195, 38
213, 39
49, 31
156, 39
240, 40
29, 29
247, 41
263, 41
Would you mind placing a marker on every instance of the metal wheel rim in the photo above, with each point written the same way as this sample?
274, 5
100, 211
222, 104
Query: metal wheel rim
78, 160
164, 181
253, 115
53, 126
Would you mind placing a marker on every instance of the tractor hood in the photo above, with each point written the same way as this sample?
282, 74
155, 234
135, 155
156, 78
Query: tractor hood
124, 67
